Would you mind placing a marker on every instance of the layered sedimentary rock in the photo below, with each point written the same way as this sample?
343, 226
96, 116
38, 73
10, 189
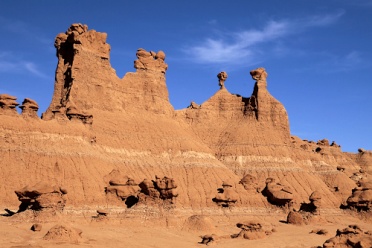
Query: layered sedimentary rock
29, 108
8, 104
97, 123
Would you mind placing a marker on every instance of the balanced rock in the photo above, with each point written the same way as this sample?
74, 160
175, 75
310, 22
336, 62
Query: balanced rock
29, 108
8, 104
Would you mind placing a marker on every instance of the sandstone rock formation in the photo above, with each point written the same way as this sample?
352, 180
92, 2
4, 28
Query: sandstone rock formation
227, 195
222, 76
198, 223
122, 188
361, 198
29, 108
8, 104
315, 201
41, 197
295, 218
130, 125
277, 193
63, 233
352, 236
250, 182
251, 230
162, 188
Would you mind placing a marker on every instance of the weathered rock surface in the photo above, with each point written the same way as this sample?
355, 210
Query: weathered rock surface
97, 123
63, 233
352, 237
251, 230
361, 198
41, 196
29, 108
277, 193
8, 104
227, 195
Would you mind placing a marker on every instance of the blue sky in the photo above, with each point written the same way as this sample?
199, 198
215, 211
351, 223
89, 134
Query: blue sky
317, 53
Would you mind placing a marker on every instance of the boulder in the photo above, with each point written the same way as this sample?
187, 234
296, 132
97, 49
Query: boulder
41, 196
352, 236
277, 193
251, 230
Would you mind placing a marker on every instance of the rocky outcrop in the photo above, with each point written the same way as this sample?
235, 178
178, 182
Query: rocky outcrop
150, 61
250, 182
222, 76
352, 236
361, 198
277, 193
162, 188
76, 49
295, 218
29, 108
8, 105
227, 195
251, 230
42, 197
122, 188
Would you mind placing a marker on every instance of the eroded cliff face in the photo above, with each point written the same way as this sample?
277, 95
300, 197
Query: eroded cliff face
85, 81
97, 123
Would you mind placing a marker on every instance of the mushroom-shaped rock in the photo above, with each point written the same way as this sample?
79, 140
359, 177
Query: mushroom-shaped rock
222, 76
8, 104
361, 198
227, 195
73, 114
316, 200
259, 74
277, 193
162, 188
41, 196
250, 230
352, 236
29, 108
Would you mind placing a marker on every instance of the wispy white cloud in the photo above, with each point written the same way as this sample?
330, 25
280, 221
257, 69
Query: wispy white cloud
244, 46
322, 20
10, 64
